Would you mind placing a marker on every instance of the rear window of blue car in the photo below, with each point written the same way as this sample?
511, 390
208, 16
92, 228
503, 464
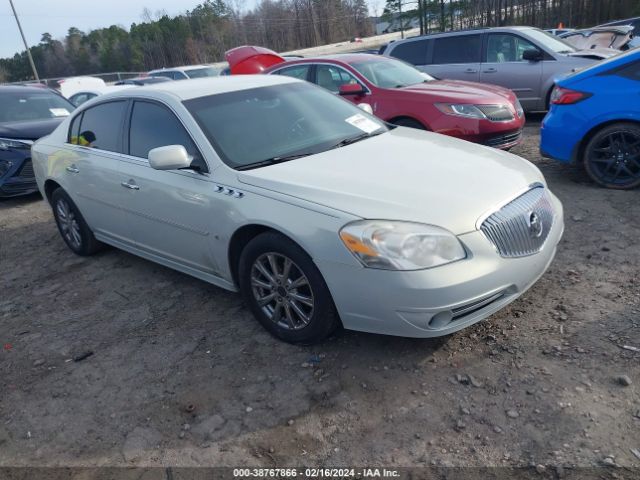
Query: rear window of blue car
630, 71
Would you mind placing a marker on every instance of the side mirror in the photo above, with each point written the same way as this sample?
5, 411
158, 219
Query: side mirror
171, 157
532, 55
366, 107
351, 89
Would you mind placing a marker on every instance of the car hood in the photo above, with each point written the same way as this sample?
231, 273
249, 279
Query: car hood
31, 130
457, 90
404, 174
595, 53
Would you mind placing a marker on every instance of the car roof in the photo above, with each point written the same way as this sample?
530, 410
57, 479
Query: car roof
184, 68
23, 88
201, 87
465, 31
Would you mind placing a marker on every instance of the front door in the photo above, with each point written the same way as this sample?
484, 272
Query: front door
169, 211
503, 65
92, 166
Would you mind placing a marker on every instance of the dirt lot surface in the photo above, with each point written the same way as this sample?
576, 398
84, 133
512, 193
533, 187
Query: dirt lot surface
182, 375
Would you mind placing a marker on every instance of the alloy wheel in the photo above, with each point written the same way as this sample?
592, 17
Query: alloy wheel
615, 159
282, 291
69, 225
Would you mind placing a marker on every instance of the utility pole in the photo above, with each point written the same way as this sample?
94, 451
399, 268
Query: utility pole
401, 20
33, 65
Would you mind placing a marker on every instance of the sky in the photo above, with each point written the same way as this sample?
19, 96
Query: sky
56, 16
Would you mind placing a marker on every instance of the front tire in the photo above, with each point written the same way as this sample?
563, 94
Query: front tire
72, 227
612, 156
285, 291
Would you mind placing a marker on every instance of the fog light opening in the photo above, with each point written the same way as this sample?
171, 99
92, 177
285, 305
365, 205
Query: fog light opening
441, 320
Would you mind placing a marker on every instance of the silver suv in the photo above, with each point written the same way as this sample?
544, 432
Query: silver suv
524, 59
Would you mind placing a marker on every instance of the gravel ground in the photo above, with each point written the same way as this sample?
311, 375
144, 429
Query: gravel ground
181, 375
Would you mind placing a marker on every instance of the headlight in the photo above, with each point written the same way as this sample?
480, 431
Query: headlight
8, 143
5, 166
391, 245
519, 109
463, 110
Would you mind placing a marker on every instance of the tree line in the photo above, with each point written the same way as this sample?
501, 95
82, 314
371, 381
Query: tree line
443, 15
203, 34
200, 35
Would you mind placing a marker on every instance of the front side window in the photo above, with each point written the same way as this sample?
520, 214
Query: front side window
332, 77
503, 48
389, 73
260, 126
550, 42
296, 71
101, 127
202, 72
154, 126
457, 49
414, 52
25, 106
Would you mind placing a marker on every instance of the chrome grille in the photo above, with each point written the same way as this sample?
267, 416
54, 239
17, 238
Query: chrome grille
521, 227
502, 140
496, 113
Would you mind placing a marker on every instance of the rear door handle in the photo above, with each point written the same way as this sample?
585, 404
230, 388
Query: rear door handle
490, 70
72, 168
130, 185
471, 70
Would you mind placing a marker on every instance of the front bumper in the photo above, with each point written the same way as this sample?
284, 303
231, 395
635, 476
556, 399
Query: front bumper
19, 179
441, 300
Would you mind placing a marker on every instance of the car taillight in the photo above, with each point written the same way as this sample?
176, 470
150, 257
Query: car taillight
565, 96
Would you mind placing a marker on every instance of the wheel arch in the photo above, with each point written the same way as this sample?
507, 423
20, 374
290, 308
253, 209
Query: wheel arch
239, 240
409, 117
578, 155
49, 187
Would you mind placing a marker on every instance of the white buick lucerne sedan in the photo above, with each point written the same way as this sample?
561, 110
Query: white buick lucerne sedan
318, 213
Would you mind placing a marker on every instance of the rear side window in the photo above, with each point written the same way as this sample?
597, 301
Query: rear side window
101, 127
630, 71
154, 126
457, 49
412, 52
296, 71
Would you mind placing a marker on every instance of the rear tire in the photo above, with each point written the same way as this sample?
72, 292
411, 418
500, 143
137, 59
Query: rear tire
285, 291
72, 227
408, 122
612, 156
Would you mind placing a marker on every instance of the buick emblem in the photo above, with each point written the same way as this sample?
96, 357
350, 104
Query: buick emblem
535, 225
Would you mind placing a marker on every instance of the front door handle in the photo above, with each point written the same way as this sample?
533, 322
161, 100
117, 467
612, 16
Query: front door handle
471, 70
490, 70
130, 185
72, 168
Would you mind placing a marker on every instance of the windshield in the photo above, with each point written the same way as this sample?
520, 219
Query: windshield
387, 73
549, 41
16, 106
202, 72
254, 126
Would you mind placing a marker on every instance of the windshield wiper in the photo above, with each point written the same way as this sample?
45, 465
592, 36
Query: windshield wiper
357, 138
272, 161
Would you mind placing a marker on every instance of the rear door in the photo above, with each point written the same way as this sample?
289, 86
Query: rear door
169, 211
503, 65
412, 51
456, 57
92, 169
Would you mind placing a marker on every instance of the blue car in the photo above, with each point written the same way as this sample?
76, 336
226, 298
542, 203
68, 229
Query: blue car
594, 121
26, 114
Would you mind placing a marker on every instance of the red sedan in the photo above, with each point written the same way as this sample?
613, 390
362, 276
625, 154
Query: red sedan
400, 94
